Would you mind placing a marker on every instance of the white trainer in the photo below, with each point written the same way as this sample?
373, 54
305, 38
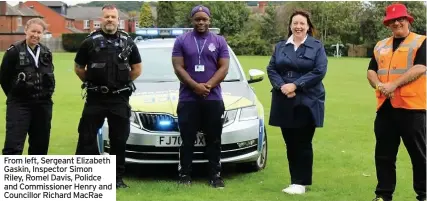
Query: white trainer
294, 189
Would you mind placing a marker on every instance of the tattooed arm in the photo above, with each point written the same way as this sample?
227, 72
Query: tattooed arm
411, 75
417, 70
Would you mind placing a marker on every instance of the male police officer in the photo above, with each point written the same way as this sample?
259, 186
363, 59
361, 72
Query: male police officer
27, 79
200, 59
397, 71
112, 62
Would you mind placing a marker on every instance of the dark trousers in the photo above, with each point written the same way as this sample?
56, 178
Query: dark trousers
300, 153
391, 125
117, 114
205, 116
299, 148
32, 117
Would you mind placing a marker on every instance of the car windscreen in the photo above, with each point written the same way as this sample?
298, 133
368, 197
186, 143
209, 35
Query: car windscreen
157, 66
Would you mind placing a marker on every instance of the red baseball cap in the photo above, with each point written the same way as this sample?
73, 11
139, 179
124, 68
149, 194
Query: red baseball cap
395, 11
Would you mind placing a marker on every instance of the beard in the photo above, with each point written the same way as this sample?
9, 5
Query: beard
110, 28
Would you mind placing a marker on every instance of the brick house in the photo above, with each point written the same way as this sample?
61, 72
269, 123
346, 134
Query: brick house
12, 23
88, 19
55, 15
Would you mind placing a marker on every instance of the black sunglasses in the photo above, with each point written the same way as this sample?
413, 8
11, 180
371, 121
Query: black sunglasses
400, 19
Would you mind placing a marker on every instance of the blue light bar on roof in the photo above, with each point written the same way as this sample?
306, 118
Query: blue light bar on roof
162, 32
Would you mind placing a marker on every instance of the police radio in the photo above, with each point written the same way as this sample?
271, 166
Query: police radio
125, 53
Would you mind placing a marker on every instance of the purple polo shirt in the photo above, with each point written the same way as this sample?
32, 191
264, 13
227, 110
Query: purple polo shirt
214, 49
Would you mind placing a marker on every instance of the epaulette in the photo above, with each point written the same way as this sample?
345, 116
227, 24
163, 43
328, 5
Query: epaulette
124, 33
11, 46
93, 33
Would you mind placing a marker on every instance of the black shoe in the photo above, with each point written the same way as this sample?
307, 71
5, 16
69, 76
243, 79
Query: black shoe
217, 182
379, 198
184, 180
121, 184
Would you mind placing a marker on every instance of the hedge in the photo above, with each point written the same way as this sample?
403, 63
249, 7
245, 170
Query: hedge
72, 41
242, 44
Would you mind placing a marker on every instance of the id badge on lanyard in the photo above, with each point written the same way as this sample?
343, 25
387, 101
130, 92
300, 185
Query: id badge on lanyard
35, 57
199, 67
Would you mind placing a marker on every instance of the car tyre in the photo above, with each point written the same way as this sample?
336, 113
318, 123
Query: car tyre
261, 162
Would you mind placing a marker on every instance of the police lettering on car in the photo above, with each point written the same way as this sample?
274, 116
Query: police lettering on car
27, 79
201, 61
112, 62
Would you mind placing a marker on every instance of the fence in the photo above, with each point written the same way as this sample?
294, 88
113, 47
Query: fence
54, 44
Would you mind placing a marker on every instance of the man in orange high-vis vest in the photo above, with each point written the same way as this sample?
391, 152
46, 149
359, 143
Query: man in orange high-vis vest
398, 73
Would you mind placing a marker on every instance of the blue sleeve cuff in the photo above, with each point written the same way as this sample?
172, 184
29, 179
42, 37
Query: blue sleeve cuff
299, 84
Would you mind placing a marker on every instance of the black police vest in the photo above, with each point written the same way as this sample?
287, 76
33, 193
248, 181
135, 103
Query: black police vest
105, 67
32, 81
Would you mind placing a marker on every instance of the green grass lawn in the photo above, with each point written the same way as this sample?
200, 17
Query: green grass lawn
344, 167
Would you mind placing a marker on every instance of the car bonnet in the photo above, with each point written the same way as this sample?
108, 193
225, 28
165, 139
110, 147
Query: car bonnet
163, 97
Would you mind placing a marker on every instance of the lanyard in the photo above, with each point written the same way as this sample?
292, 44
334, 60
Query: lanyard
198, 49
35, 57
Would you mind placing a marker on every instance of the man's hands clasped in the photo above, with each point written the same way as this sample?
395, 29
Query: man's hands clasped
289, 90
387, 89
202, 89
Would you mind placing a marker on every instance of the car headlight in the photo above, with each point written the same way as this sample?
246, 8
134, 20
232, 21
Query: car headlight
248, 113
134, 120
229, 117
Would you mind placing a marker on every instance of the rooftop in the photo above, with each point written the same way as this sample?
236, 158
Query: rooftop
89, 13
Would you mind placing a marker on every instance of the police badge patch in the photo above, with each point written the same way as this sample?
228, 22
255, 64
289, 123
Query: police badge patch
212, 47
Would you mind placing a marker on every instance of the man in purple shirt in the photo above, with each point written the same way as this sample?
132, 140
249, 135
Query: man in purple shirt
200, 60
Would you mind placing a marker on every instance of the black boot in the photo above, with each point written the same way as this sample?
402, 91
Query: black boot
216, 182
184, 180
120, 183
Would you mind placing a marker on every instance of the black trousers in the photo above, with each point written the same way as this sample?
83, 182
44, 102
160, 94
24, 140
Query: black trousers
390, 126
117, 114
32, 117
300, 153
298, 140
205, 116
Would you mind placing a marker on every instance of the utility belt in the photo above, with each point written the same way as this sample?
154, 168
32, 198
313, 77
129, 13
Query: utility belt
108, 90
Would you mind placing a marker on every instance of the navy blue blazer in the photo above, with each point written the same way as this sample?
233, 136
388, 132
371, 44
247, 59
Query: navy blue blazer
306, 68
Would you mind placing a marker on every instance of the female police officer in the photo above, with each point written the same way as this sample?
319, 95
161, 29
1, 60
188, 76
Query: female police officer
26, 76
296, 70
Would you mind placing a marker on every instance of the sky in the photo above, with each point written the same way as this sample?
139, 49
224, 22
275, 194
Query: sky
68, 2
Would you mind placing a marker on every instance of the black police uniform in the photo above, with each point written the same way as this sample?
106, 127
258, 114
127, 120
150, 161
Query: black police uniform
108, 59
27, 79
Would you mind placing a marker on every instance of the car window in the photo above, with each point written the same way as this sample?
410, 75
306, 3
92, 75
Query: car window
157, 66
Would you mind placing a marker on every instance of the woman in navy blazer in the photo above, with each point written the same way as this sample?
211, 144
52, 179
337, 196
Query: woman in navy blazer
296, 71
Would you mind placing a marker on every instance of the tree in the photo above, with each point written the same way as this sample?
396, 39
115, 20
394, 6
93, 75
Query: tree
133, 15
228, 16
124, 6
165, 14
269, 29
145, 16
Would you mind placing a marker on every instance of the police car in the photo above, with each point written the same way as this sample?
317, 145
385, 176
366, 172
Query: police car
154, 134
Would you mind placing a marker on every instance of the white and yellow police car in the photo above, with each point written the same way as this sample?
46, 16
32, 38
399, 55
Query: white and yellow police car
154, 134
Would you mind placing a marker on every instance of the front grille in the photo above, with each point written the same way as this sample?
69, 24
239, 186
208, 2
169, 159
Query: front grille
144, 152
159, 122
164, 122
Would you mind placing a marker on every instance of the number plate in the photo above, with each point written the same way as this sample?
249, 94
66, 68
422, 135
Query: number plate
175, 141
